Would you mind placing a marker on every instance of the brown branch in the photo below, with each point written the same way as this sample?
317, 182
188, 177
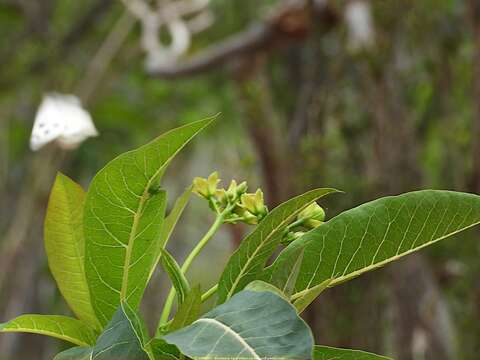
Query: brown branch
291, 22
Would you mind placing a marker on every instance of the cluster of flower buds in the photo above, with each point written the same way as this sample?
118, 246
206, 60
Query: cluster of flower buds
234, 203
309, 218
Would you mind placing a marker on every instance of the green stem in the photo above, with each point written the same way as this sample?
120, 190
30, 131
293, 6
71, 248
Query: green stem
188, 261
209, 293
295, 224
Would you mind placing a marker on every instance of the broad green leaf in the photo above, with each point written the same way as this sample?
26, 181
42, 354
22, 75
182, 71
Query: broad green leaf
307, 297
285, 277
162, 350
124, 338
76, 353
329, 353
178, 279
251, 325
188, 311
124, 212
65, 246
376, 233
60, 327
260, 286
247, 263
171, 221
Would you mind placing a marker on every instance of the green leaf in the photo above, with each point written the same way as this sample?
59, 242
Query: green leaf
251, 325
285, 277
174, 215
178, 279
124, 212
124, 338
329, 353
65, 246
376, 233
171, 221
60, 327
259, 285
188, 311
76, 353
247, 263
307, 298
163, 351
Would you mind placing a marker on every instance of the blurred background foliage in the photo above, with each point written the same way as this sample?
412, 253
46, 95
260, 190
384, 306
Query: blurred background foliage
374, 103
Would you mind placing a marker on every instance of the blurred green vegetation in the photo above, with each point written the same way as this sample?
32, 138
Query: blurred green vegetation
398, 116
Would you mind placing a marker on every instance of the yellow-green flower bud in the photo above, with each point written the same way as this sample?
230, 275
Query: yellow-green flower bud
312, 223
292, 236
221, 197
249, 218
232, 190
242, 188
206, 187
312, 211
253, 203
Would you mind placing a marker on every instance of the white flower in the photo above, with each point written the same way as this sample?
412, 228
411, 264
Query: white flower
61, 119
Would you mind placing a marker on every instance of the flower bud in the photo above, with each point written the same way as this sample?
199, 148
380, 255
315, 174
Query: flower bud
312, 211
206, 187
312, 223
292, 236
242, 188
232, 190
253, 203
221, 197
249, 218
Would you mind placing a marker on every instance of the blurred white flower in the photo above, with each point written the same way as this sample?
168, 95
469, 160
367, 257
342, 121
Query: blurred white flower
61, 119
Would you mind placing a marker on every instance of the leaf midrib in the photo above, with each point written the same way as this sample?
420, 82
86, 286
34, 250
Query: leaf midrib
229, 330
358, 272
133, 233
53, 334
250, 259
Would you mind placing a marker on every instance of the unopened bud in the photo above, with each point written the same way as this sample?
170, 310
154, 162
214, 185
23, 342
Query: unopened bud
292, 236
312, 223
312, 211
206, 187
253, 203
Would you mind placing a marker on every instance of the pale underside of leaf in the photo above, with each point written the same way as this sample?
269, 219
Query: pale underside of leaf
57, 326
251, 325
76, 353
124, 213
379, 232
123, 339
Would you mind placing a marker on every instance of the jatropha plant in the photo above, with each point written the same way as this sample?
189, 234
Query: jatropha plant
104, 245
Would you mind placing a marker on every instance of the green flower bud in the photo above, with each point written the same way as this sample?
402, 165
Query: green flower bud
232, 190
254, 204
292, 236
312, 223
249, 218
312, 211
242, 188
221, 197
